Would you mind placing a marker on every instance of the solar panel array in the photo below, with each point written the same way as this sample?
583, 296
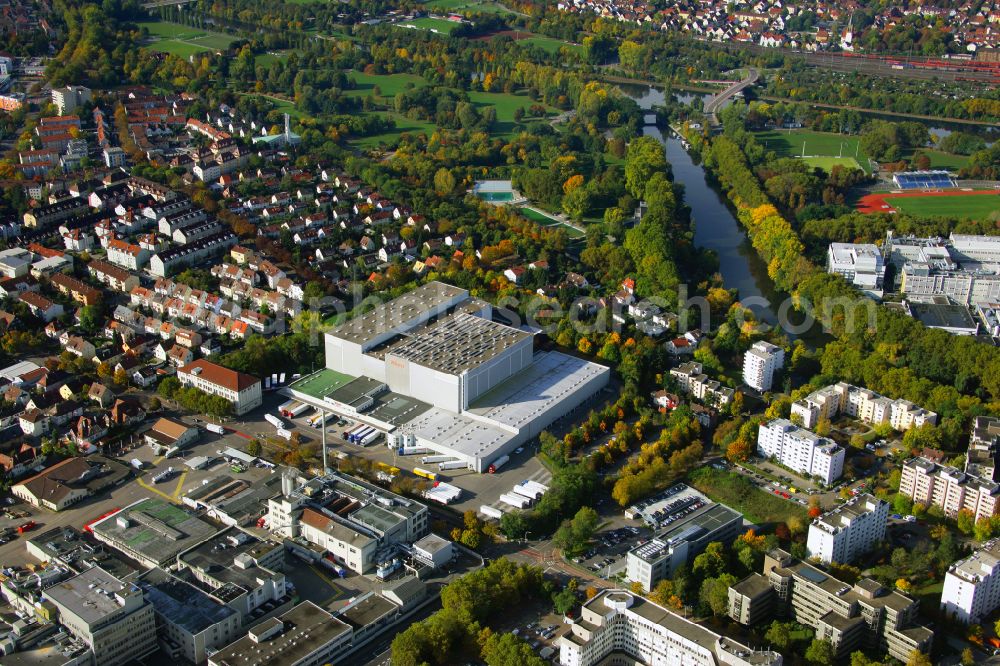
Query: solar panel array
923, 180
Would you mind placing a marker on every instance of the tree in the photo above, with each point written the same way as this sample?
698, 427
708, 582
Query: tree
645, 156
968, 659
508, 650
966, 521
819, 653
714, 593
563, 600
574, 535
253, 447
712, 562
121, 377
154, 404
444, 182
918, 658
168, 387
779, 634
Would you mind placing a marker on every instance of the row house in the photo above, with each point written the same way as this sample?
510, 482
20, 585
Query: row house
127, 255
75, 289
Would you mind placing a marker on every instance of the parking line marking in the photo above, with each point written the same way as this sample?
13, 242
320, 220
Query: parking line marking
155, 491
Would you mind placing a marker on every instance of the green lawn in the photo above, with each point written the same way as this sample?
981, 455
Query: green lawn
268, 59
184, 41
738, 493
547, 221
551, 44
505, 105
941, 160
389, 84
440, 26
467, 7
827, 163
959, 205
799, 143
403, 125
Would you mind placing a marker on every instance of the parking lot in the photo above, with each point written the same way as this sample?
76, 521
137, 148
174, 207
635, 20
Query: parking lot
606, 559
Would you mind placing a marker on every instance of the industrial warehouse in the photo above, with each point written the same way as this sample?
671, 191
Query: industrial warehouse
431, 369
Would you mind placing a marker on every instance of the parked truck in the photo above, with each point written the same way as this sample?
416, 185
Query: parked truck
516, 501
490, 512
316, 420
138, 464
425, 473
411, 450
497, 464
217, 429
284, 434
274, 420
292, 408
370, 438
453, 464
524, 491
356, 436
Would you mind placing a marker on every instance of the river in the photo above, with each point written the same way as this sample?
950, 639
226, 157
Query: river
715, 227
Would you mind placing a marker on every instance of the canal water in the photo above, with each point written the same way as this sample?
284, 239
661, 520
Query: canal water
715, 227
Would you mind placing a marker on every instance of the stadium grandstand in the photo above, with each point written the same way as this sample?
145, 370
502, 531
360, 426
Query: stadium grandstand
923, 180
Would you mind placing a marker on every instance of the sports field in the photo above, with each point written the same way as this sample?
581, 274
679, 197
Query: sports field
806, 143
827, 163
976, 204
438, 25
184, 41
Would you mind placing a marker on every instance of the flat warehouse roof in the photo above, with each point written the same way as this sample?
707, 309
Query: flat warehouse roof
457, 343
552, 378
458, 433
320, 383
398, 312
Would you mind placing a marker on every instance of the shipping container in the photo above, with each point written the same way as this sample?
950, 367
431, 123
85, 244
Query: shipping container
426, 460
516, 501
274, 420
490, 512
412, 450
425, 473
498, 463
454, 464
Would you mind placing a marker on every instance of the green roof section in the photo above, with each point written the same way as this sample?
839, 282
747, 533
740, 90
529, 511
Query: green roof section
320, 383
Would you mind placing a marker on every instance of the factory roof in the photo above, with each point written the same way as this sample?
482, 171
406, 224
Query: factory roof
457, 343
550, 379
153, 529
700, 524
399, 313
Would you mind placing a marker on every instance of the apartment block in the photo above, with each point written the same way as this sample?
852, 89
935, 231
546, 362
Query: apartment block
861, 264
951, 489
802, 451
983, 457
851, 617
972, 586
616, 627
760, 362
849, 530
692, 380
862, 404
112, 617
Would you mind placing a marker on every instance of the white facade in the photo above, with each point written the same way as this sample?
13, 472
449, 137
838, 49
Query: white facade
760, 362
618, 622
949, 488
862, 404
242, 390
972, 586
860, 263
801, 450
849, 530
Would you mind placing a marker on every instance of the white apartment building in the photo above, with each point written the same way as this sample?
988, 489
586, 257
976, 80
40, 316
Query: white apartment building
849, 530
616, 621
239, 388
127, 255
862, 404
691, 379
69, 98
760, 362
972, 586
951, 489
861, 264
802, 451
113, 618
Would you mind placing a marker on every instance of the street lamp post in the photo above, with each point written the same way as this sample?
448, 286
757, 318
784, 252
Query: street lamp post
527, 532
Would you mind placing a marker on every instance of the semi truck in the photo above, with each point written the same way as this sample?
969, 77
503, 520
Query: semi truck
353, 429
217, 429
292, 408
524, 491
411, 450
453, 464
370, 438
538, 488
274, 420
516, 501
425, 473
356, 436
497, 464
426, 460
490, 512
316, 420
